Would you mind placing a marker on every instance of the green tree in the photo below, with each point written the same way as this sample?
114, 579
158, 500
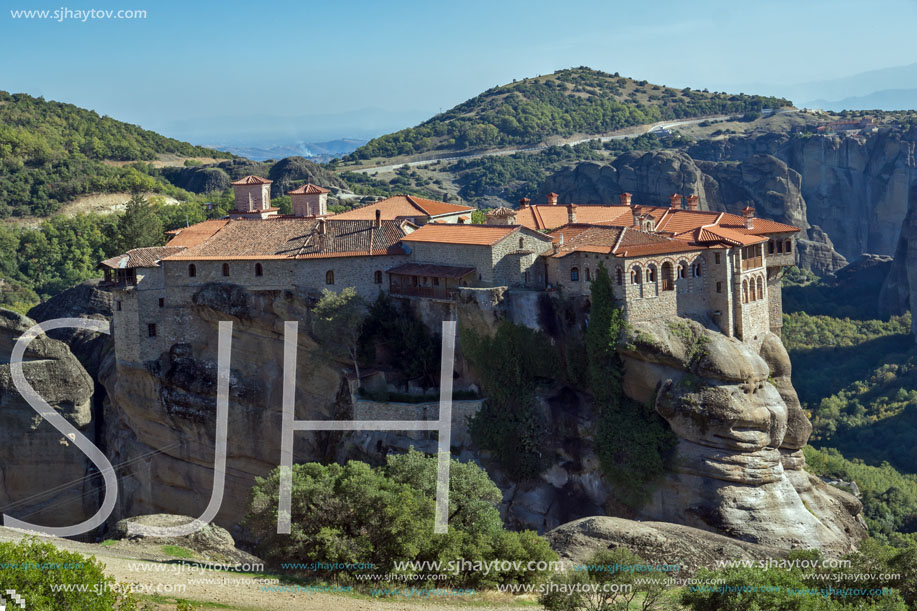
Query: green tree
38, 586
338, 322
139, 226
605, 324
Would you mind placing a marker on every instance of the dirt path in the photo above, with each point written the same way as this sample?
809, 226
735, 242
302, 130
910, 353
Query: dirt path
170, 579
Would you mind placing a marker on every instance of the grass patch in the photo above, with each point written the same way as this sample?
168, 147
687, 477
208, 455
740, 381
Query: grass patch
176, 551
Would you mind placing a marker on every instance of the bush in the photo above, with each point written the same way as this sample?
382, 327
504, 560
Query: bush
56, 567
359, 514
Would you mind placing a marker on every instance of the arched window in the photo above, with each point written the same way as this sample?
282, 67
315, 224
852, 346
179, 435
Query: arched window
697, 270
745, 291
636, 275
668, 277
760, 288
226, 269
329, 277
619, 276
770, 247
574, 274
588, 275
651, 273
681, 270
521, 244
259, 269
377, 277
192, 270
788, 246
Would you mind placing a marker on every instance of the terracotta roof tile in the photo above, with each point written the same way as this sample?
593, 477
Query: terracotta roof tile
483, 235
308, 189
252, 180
298, 238
402, 206
141, 257
197, 233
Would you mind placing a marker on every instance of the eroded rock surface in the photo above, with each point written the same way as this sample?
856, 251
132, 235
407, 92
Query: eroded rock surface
44, 478
740, 427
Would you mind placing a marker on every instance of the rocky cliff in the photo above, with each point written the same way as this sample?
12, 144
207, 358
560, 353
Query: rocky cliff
740, 427
44, 478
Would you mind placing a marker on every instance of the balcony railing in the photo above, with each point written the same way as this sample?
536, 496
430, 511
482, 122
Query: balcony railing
431, 292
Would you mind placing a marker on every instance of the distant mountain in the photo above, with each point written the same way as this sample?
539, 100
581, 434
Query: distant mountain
576, 100
888, 99
317, 151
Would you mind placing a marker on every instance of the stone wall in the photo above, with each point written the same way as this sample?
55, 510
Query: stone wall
260, 196
462, 411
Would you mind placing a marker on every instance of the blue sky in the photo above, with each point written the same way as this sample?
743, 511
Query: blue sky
190, 67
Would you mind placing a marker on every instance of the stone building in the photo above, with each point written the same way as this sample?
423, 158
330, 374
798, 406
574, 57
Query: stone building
663, 261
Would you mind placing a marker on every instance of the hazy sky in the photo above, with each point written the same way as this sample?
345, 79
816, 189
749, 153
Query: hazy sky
191, 62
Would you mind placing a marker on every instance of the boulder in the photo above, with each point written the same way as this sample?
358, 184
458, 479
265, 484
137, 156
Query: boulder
211, 543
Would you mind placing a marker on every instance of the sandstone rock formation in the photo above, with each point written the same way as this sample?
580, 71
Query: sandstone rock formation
655, 542
161, 417
44, 478
898, 293
739, 462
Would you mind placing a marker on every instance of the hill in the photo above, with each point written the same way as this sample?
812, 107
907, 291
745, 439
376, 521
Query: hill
51, 152
567, 102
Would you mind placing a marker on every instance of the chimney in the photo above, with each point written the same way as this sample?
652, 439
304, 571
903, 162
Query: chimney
635, 212
552, 199
625, 199
524, 202
571, 213
675, 201
749, 213
692, 202
561, 239
378, 221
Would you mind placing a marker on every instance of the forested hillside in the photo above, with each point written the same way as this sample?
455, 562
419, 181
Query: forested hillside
52, 152
567, 102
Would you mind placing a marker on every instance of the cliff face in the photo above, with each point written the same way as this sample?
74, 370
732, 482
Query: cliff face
763, 181
739, 466
855, 187
44, 478
899, 293
161, 415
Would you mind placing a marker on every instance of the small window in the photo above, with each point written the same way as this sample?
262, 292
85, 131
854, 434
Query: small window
435, 281
226, 269
521, 244
619, 276
259, 269
681, 270
588, 275
770, 247
329, 277
636, 276
697, 270
192, 270
574, 274
787, 246
151, 329
716, 258
719, 287
162, 302
780, 247
377, 277
118, 305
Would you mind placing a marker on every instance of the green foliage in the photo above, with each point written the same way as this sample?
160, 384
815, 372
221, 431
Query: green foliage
51, 152
415, 352
889, 497
58, 567
177, 551
605, 590
578, 100
139, 226
509, 365
633, 442
337, 322
850, 293
359, 514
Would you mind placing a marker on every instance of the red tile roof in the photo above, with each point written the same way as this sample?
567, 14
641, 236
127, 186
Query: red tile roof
297, 238
197, 233
483, 235
252, 180
141, 257
308, 189
402, 206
